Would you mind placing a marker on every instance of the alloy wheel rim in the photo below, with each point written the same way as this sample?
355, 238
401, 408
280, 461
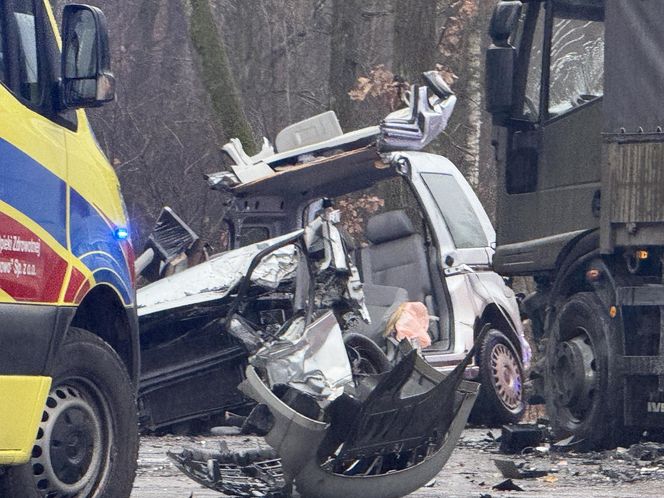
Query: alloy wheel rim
506, 377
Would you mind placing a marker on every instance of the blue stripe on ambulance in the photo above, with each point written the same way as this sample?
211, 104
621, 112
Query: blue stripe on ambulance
93, 240
35, 191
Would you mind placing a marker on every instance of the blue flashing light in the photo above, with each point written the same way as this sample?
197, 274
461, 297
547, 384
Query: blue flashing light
121, 233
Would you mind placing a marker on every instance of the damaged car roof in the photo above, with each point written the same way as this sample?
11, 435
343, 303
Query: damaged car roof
323, 176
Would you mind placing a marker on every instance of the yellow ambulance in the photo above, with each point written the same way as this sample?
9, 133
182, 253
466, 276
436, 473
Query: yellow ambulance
69, 355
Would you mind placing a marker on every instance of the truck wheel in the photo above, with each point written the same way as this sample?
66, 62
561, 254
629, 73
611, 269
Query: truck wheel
582, 387
500, 400
87, 443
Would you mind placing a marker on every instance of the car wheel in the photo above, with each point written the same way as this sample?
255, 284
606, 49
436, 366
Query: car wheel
87, 442
582, 389
500, 400
365, 357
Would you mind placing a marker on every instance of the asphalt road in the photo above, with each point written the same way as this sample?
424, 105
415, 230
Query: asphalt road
471, 471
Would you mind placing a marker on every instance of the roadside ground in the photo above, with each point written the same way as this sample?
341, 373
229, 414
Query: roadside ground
470, 472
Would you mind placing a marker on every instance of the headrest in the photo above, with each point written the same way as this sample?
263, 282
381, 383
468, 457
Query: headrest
389, 226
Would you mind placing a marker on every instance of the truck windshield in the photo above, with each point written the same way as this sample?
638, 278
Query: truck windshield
576, 71
531, 101
577, 64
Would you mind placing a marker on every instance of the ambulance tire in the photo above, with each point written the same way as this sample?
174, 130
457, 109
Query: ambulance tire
87, 443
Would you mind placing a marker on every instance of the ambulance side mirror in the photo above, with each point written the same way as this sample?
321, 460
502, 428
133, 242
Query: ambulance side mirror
87, 80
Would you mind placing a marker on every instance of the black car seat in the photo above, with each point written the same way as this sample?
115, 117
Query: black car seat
396, 256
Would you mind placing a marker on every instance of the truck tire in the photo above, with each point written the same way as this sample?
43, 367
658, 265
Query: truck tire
583, 391
87, 443
500, 400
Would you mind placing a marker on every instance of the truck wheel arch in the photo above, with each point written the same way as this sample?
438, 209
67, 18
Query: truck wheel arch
581, 255
102, 313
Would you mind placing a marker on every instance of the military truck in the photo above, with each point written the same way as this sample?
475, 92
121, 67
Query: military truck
573, 87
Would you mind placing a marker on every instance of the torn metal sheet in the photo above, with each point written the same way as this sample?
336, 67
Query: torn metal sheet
222, 180
312, 359
322, 235
215, 278
420, 123
510, 470
410, 128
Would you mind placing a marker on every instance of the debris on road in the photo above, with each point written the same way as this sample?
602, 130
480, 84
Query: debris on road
507, 485
237, 473
470, 471
511, 470
516, 437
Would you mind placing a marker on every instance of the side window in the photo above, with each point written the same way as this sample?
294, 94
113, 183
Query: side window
462, 222
577, 64
28, 61
253, 234
358, 207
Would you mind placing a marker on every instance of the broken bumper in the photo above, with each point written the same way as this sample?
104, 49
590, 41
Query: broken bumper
297, 439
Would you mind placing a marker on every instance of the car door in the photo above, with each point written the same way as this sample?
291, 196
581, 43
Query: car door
33, 168
465, 235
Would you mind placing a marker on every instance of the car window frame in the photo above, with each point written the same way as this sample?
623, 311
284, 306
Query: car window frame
453, 227
14, 60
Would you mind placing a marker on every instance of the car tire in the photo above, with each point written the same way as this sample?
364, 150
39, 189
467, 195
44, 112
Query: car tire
365, 355
87, 443
583, 391
501, 396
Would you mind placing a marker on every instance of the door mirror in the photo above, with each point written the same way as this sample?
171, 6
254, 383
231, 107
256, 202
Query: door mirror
499, 75
500, 61
87, 80
503, 21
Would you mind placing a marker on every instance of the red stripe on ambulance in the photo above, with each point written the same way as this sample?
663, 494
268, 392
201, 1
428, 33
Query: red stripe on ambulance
29, 269
75, 281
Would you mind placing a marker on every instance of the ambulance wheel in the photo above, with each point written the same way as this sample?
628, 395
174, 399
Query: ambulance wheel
87, 442
582, 385
501, 399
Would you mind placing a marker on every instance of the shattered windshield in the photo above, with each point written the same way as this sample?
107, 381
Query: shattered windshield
577, 64
531, 101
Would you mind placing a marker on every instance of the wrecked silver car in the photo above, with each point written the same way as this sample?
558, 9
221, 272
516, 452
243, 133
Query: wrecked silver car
354, 333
